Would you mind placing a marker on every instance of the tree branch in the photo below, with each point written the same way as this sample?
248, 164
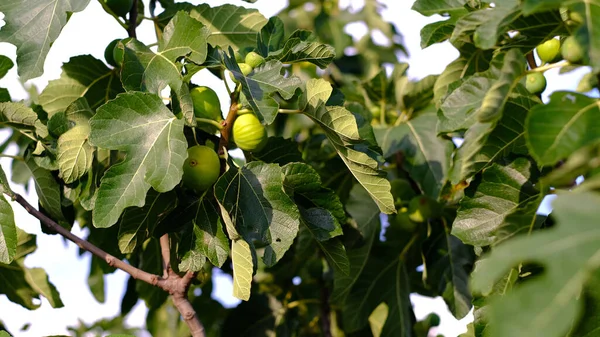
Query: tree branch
228, 122
172, 283
133, 14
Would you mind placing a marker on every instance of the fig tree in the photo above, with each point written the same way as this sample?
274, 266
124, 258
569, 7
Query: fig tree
206, 103
201, 168
535, 82
248, 133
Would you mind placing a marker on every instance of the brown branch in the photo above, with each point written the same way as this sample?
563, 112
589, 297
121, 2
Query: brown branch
133, 14
325, 310
228, 122
112, 261
172, 283
531, 60
178, 289
166, 254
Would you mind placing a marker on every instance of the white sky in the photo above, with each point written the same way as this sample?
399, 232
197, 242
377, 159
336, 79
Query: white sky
89, 32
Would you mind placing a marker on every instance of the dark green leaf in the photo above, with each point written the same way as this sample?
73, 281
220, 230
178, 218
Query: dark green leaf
564, 125
261, 84
426, 156
253, 200
271, 36
137, 223
568, 252
366, 215
229, 25
5, 65
207, 237
501, 204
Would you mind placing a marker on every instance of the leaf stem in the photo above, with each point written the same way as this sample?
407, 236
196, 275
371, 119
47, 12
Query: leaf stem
545, 67
211, 122
225, 81
19, 158
109, 11
289, 111
382, 112
408, 245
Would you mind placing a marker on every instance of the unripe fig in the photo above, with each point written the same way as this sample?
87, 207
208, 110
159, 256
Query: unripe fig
253, 59
201, 168
572, 51
206, 103
248, 133
422, 208
549, 51
109, 53
120, 7
535, 82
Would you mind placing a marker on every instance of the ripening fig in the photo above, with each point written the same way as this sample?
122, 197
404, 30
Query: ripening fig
253, 59
422, 208
549, 51
402, 191
206, 103
248, 133
402, 221
120, 7
201, 168
535, 82
572, 51
244, 68
109, 53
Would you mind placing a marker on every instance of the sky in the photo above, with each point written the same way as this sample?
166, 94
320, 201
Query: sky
88, 32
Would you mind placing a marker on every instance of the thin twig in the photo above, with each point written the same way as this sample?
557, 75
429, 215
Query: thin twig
166, 254
172, 283
112, 261
133, 14
531, 60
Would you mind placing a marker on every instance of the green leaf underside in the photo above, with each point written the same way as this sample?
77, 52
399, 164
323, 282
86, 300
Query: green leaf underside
241, 258
151, 137
342, 131
75, 154
229, 25
8, 232
83, 76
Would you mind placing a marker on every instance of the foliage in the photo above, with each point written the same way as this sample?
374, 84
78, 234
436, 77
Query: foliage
300, 223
